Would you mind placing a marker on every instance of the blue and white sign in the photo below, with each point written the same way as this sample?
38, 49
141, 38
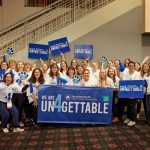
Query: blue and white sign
103, 59
83, 51
58, 46
75, 105
131, 89
2, 73
37, 51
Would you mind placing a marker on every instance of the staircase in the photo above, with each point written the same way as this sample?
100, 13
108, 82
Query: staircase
63, 18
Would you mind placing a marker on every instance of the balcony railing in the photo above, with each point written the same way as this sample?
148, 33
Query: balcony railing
42, 24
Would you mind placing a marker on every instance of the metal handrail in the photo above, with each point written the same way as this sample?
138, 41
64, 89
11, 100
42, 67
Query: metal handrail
41, 24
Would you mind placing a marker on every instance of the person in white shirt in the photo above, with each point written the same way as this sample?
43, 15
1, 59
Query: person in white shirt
95, 71
63, 67
20, 98
80, 70
74, 63
53, 75
44, 69
7, 88
87, 80
36, 80
112, 74
131, 74
110, 64
86, 65
104, 80
144, 74
70, 74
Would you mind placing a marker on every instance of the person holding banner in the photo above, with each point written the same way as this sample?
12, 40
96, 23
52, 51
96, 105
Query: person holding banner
104, 80
87, 80
144, 74
131, 74
53, 74
35, 81
7, 89
70, 74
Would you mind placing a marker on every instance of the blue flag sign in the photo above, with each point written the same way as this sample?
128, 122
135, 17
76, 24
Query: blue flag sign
83, 51
2, 73
37, 51
58, 46
75, 105
131, 89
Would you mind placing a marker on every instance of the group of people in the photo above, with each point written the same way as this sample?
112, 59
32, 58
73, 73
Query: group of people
19, 89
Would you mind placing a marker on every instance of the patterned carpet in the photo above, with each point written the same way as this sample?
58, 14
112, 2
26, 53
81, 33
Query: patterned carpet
79, 137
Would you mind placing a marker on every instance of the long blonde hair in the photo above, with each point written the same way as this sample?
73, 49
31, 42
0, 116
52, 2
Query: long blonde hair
101, 80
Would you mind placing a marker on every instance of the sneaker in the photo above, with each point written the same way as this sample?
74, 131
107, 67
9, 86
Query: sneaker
138, 116
5, 130
127, 121
18, 130
131, 123
8, 125
21, 124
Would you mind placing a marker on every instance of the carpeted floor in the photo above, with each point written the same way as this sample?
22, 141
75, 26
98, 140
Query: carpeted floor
78, 137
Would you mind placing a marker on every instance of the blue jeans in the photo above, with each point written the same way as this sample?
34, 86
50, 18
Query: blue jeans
5, 112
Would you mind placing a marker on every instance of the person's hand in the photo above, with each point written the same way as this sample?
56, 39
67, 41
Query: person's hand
35, 103
147, 57
41, 60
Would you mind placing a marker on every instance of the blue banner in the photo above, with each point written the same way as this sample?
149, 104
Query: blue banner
75, 105
131, 89
2, 73
58, 46
83, 51
37, 51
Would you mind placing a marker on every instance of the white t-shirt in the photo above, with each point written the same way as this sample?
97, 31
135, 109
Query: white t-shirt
5, 90
90, 82
147, 78
109, 83
95, 74
127, 76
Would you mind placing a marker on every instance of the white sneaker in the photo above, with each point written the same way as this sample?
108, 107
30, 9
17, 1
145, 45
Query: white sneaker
131, 123
5, 130
21, 124
18, 130
138, 116
127, 121
8, 125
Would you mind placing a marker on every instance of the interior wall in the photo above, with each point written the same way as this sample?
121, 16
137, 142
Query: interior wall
118, 39
13, 11
147, 15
